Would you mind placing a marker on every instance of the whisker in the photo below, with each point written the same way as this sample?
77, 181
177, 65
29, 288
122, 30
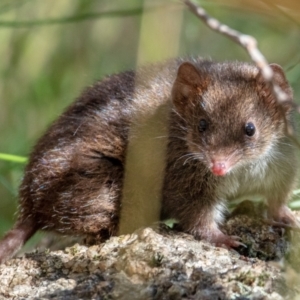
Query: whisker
194, 157
195, 144
178, 126
282, 143
190, 156
178, 114
232, 154
181, 157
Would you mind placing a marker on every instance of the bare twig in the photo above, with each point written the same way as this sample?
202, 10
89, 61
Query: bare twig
250, 44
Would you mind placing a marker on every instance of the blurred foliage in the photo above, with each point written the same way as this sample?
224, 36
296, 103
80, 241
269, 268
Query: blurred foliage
52, 49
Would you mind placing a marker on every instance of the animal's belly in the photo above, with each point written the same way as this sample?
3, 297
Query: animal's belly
243, 187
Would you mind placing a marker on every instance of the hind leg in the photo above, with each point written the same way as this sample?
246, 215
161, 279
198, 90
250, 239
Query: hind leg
83, 200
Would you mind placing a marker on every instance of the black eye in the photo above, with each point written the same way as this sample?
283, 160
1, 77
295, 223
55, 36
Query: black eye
203, 125
249, 129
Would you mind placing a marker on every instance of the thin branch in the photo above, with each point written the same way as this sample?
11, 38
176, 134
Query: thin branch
249, 43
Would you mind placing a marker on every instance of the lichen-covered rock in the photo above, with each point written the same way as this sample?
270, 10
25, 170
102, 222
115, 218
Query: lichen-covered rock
144, 265
153, 263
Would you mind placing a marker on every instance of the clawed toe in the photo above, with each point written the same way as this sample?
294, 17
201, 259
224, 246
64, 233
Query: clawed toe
234, 242
240, 244
279, 224
229, 242
273, 223
283, 217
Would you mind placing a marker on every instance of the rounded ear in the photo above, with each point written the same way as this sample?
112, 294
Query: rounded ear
189, 83
281, 81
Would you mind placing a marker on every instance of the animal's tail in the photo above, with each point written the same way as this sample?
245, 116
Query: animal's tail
16, 238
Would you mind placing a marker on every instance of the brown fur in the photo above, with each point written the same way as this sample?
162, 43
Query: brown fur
227, 96
73, 182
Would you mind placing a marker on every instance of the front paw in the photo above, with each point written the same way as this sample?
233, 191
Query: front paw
219, 239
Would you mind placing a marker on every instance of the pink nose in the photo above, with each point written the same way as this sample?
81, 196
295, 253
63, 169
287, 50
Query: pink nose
219, 168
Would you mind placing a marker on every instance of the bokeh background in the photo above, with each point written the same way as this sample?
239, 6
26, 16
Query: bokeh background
51, 49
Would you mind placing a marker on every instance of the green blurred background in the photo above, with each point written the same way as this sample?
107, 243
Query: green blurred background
48, 57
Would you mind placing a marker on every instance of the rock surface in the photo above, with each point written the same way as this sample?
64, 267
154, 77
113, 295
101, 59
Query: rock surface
155, 263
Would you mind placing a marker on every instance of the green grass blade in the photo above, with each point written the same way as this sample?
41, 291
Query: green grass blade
13, 158
76, 18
